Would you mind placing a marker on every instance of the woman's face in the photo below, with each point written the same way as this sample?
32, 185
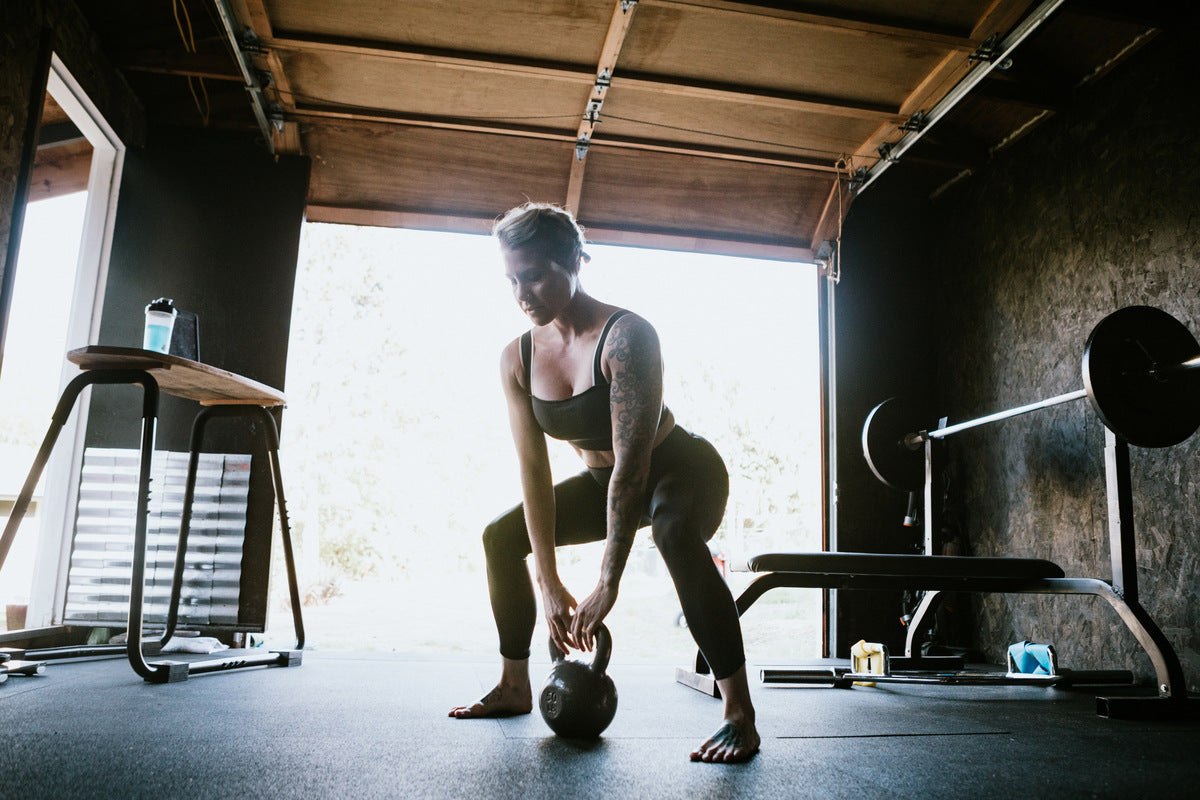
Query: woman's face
540, 286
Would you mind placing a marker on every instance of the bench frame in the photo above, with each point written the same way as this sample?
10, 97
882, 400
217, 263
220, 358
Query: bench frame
935, 574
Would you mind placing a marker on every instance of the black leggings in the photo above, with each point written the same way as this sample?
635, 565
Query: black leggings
686, 493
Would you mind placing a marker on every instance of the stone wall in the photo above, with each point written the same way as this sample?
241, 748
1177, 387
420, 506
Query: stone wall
1095, 210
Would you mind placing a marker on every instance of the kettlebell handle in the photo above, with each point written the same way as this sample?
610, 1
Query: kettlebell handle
603, 650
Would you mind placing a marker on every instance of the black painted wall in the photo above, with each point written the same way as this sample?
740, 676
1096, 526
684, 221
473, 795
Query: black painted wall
883, 350
213, 221
1094, 210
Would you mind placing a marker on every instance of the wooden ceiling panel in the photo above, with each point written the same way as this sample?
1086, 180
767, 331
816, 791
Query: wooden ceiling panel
403, 168
423, 88
794, 133
959, 16
714, 45
995, 124
551, 30
52, 112
60, 170
1086, 46
723, 125
681, 196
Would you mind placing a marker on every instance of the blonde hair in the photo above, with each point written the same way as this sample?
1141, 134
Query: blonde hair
546, 228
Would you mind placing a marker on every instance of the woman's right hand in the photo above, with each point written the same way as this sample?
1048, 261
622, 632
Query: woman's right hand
560, 607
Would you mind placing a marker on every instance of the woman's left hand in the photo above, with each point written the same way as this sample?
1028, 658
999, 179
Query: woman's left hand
590, 613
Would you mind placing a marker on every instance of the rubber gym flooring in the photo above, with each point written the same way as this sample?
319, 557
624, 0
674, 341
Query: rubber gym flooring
375, 726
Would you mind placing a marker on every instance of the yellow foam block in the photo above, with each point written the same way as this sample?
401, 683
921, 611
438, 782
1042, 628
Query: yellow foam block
868, 658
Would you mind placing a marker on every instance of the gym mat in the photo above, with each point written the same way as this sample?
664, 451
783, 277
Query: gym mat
345, 725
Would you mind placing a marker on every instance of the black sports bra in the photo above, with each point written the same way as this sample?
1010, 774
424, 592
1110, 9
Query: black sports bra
585, 419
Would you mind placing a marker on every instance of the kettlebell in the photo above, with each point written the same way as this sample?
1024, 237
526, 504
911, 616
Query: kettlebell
579, 700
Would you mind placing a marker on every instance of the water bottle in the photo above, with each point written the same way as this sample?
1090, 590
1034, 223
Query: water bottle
160, 320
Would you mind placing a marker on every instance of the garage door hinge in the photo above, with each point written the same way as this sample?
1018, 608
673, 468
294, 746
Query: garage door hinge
249, 42
603, 80
856, 180
592, 113
276, 116
987, 51
916, 122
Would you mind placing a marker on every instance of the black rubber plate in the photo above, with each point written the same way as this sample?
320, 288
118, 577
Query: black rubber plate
892, 461
1142, 409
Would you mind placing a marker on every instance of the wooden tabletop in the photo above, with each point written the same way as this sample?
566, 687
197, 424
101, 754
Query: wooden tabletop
181, 377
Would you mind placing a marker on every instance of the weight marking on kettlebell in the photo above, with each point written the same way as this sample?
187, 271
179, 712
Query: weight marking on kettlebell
551, 702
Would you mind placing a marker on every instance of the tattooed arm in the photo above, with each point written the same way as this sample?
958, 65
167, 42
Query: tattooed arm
634, 360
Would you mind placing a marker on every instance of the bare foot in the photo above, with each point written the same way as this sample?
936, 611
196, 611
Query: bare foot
503, 701
737, 739
733, 743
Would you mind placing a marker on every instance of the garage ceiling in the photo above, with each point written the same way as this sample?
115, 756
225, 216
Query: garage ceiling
715, 125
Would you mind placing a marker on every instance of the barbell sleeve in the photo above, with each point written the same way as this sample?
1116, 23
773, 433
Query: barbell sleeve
1167, 371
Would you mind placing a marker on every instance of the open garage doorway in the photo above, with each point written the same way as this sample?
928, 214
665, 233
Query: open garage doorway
396, 448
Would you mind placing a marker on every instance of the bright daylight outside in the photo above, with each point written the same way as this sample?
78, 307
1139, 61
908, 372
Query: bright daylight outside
33, 368
396, 450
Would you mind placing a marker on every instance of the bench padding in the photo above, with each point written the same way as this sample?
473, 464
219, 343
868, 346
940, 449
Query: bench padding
914, 566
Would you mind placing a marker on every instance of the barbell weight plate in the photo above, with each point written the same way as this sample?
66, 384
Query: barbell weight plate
1141, 408
892, 461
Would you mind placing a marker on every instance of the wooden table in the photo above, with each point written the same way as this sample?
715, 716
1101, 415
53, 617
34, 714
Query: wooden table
223, 394
207, 385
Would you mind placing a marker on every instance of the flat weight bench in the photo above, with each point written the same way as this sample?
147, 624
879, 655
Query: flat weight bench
930, 574
934, 575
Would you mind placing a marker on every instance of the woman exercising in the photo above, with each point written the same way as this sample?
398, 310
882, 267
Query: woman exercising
591, 374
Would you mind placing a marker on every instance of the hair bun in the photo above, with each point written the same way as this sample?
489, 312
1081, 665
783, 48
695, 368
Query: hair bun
547, 227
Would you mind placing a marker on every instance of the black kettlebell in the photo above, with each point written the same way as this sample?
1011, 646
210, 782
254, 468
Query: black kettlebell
579, 700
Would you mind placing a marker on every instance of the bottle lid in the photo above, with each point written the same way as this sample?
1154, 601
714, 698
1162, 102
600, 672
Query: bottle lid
163, 304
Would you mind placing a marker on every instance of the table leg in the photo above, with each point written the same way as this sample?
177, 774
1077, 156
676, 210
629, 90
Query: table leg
268, 435
160, 672
285, 529
66, 403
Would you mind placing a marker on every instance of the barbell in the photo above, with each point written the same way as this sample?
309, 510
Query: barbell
1141, 371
